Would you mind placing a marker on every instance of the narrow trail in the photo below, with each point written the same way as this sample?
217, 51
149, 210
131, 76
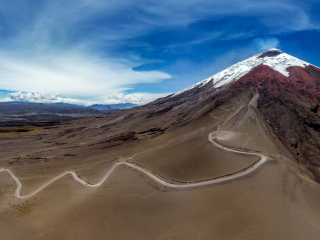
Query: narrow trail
223, 179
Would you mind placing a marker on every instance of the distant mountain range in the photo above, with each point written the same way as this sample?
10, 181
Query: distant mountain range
31, 106
22, 108
102, 107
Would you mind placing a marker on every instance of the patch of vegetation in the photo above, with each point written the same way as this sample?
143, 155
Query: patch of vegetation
14, 129
20, 209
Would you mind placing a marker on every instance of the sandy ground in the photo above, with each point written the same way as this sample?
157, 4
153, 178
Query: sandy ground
126, 207
279, 201
193, 159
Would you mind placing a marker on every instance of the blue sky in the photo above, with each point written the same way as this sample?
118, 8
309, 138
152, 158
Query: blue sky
119, 51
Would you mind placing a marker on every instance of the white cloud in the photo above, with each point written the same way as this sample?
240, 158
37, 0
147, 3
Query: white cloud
280, 16
41, 97
32, 97
288, 17
71, 74
266, 43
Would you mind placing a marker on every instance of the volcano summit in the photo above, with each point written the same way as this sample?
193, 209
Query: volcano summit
235, 156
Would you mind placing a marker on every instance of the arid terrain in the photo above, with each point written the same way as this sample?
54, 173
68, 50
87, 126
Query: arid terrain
238, 161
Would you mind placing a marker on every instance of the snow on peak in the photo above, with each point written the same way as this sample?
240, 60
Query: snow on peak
272, 57
273, 50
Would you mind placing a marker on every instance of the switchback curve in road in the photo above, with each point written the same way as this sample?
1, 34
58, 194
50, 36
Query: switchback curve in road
222, 179
238, 175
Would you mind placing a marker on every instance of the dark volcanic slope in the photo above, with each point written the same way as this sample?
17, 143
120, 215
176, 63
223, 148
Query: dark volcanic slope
290, 107
292, 113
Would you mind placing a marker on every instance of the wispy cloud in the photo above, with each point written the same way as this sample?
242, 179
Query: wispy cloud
266, 43
72, 74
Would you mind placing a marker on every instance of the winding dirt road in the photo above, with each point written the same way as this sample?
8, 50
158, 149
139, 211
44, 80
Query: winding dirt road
227, 178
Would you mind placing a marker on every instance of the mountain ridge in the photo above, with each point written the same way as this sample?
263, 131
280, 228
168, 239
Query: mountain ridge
278, 61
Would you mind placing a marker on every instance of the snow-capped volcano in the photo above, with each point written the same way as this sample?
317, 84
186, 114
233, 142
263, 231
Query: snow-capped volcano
272, 57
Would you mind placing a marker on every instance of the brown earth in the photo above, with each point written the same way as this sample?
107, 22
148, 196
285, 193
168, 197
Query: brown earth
169, 137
